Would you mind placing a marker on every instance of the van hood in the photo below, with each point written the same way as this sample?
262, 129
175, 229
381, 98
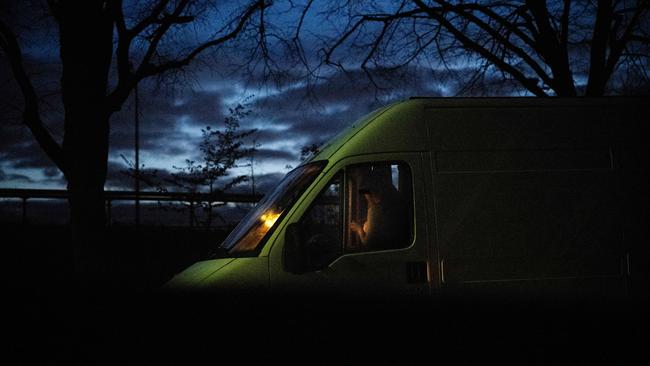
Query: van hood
224, 275
196, 273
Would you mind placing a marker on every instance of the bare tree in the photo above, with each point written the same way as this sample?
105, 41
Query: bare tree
145, 40
554, 47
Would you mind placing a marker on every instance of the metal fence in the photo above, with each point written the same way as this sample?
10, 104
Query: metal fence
190, 199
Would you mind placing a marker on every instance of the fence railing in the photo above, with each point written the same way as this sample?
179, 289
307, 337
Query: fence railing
191, 199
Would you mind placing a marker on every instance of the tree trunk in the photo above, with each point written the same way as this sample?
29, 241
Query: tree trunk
86, 36
553, 52
599, 44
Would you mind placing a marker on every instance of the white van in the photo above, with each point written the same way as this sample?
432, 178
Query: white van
457, 195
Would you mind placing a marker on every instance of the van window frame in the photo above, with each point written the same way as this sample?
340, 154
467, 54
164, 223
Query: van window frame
343, 171
410, 202
269, 234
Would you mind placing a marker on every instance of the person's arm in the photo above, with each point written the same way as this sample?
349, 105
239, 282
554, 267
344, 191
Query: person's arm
369, 230
371, 227
357, 228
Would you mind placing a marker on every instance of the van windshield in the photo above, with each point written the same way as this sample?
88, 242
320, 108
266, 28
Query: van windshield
248, 235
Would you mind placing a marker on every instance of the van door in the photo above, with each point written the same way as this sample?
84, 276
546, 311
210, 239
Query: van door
363, 231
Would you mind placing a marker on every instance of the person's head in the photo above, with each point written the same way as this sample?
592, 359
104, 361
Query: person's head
371, 196
371, 188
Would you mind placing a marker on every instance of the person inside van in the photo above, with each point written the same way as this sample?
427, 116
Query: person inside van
386, 224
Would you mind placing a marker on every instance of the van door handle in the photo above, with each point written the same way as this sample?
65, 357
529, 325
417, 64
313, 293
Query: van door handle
416, 272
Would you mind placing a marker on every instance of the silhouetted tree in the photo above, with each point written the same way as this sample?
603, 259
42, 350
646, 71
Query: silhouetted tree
308, 150
547, 47
221, 150
93, 36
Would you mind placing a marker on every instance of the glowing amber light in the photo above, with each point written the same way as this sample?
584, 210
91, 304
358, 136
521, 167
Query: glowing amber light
269, 219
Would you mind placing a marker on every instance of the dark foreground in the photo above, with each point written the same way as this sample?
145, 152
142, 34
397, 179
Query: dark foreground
50, 317
120, 327
41, 257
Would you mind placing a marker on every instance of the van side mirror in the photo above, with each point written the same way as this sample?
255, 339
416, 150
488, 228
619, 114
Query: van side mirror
295, 258
307, 253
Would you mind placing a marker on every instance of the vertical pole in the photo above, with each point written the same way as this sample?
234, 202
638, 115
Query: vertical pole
137, 158
24, 210
253, 168
109, 209
191, 213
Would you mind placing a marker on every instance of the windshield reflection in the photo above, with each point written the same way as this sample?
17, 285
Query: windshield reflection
248, 235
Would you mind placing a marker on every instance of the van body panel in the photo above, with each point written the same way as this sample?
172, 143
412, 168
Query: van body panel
339, 140
528, 226
397, 128
527, 197
530, 128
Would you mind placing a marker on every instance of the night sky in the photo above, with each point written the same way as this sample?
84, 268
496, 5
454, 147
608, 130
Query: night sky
288, 113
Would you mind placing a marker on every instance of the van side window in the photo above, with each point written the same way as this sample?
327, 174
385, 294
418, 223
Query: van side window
322, 225
372, 211
378, 207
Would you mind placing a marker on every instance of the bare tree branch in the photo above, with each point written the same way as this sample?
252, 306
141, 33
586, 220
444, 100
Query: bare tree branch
129, 78
147, 69
158, 33
530, 84
149, 20
123, 44
619, 45
502, 41
366, 18
31, 115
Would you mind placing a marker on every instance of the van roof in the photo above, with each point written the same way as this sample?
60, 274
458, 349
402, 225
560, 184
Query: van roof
526, 101
403, 119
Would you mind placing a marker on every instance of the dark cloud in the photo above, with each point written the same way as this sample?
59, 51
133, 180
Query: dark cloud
314, 113
52, 172
54, 181
263, 183
37, 159
14, 133
120, 177
18, 178
270, 154
165, 142
161, 106
25, 153
168, 121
